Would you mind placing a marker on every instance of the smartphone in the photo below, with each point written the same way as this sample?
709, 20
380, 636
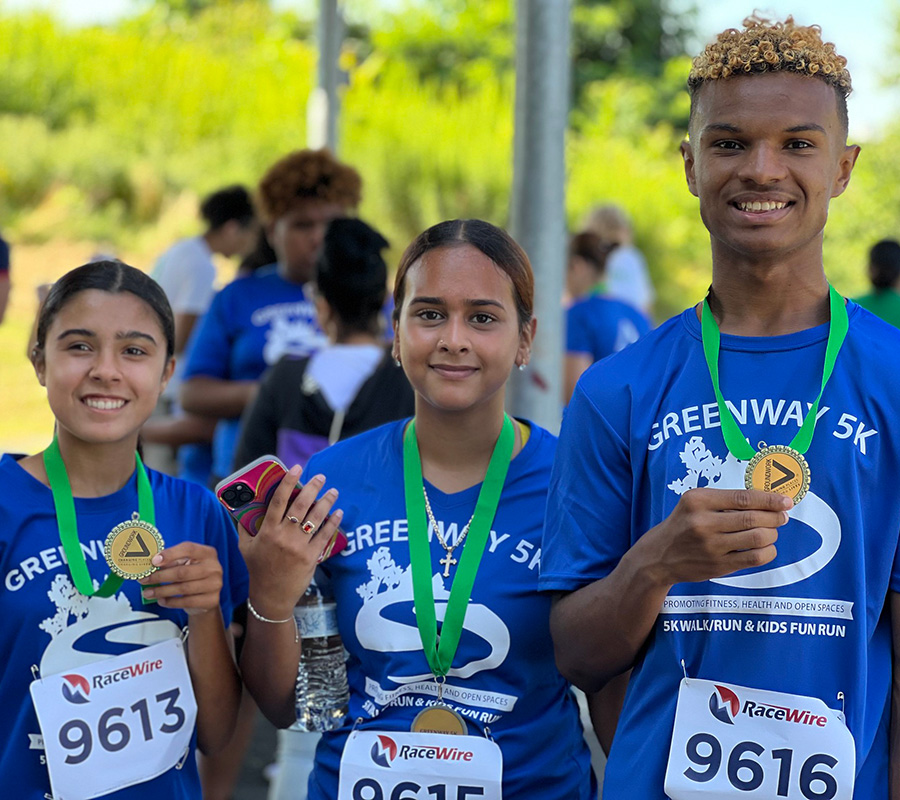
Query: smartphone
247, 492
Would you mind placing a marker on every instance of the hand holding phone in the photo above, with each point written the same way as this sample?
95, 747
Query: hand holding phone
248, 492
282, 558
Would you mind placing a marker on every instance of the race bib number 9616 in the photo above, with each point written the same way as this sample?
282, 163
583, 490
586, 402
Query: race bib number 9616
116, 722
731, 741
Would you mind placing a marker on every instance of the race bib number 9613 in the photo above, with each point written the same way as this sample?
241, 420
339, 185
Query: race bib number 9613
731, 741
117, 722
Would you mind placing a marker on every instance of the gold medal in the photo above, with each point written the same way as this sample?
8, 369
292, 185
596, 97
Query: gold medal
778, 469
130, 546
439, 719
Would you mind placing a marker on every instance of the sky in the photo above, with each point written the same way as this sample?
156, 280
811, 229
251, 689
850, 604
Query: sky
862, 30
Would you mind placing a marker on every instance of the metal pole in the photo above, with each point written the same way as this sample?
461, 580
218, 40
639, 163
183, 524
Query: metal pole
537, 215
322, 109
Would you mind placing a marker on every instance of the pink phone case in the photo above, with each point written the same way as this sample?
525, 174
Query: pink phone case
247, 492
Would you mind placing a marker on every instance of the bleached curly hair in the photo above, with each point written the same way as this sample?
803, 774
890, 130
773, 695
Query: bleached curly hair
767, 46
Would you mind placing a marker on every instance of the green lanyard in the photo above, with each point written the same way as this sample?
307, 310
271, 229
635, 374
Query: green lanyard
736, 442
68, 521
598, 289
440, 651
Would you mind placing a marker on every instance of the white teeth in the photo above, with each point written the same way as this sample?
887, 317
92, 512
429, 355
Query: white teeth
757, 206
104, 405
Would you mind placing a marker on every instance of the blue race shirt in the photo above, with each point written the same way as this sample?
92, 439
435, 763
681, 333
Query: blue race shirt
250, 325
503, 675
643, 428
47, 622
598, 326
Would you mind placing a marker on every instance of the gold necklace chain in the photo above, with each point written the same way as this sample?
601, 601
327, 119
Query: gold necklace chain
448, 559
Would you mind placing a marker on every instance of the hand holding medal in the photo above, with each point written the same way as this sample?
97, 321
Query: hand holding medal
187, 576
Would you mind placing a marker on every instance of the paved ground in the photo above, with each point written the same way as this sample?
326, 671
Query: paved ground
252, 785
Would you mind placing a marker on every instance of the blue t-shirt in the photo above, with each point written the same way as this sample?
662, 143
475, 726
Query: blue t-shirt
643, 428
48, 623
250, 325
503, 675
598, 326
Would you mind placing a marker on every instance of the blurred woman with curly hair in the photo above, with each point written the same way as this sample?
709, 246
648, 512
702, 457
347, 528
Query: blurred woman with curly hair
256, 320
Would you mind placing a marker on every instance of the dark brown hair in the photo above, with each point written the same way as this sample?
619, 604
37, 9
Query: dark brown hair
494, 242
107, 276
592, 249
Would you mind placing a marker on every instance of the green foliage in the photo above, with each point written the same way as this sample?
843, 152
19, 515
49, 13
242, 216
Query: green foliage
458, 42
111, 134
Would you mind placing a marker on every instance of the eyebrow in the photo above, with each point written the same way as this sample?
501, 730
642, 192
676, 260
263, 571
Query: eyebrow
91, 334
438, 301
728, 128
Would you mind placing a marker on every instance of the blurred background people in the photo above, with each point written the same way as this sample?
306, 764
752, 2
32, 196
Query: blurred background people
350, 385
186, 270
596, 324
257, 319
884, 275
4, 277
627, 277
187, 274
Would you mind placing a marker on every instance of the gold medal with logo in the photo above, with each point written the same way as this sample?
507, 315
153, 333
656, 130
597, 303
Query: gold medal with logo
780, 469
130, 546
439, 719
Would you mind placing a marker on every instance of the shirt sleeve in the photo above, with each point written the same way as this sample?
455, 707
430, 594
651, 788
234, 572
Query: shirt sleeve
577, 334
195, 289
587, 527
209, 349
261, 420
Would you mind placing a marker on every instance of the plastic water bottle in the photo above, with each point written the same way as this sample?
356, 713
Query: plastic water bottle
322, 691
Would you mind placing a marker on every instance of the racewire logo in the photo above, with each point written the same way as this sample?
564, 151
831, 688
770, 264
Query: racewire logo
724, 705
384, 751
76, 689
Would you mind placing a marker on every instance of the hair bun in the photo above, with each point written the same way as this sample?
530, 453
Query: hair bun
351, 273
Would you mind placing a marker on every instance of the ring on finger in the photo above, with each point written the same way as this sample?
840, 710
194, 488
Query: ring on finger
308, 526
293, 519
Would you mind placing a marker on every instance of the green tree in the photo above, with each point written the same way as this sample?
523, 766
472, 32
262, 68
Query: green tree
458, 41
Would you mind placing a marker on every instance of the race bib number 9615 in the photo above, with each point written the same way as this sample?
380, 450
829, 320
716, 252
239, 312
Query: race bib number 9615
116, 722
419, 766
731, 741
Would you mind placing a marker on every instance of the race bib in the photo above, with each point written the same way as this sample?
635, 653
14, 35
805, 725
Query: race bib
419, 766
116, 722
730, 741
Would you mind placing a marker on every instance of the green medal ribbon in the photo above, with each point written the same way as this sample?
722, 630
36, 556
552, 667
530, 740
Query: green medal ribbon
736, 442
68, 520
439, 651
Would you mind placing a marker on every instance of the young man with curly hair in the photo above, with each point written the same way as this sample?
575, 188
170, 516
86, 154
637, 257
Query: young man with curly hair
256, 320
723, 516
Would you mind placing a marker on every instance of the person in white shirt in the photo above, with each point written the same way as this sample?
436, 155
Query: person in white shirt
627, 277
